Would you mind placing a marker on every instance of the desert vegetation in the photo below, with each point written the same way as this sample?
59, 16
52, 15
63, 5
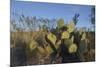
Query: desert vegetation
50, 41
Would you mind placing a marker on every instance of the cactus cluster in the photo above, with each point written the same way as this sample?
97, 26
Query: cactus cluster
51, 44
66, 37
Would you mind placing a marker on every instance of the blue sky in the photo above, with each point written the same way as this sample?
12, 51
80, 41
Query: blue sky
51, 11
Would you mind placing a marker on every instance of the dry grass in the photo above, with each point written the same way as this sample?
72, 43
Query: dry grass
34, 57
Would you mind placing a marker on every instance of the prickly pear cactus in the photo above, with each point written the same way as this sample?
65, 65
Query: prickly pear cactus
71, 27
41, 50
83, 36
60, 23
33, 45
68, 42
65, 35
49, 49
81, 30
72, 48
72, 39
82, 46
57, 45
52, 37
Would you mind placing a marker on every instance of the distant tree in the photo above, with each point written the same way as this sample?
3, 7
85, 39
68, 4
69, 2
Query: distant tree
92, 17
28, 22
53, 23
12, 25
42, 23
75, 18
